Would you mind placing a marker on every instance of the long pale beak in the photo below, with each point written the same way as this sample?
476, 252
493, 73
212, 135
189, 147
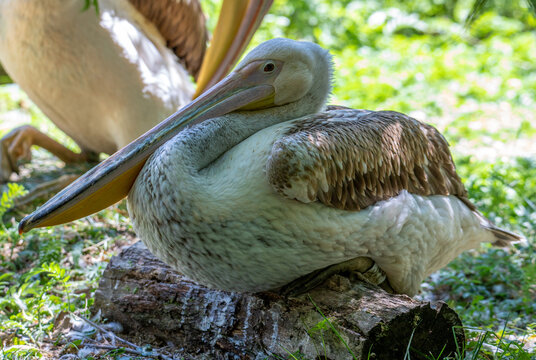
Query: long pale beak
111, 180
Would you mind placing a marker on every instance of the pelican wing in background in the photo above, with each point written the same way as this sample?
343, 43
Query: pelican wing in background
105, 78
182, 24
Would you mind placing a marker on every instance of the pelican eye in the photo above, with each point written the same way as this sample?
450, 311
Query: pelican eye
268, 67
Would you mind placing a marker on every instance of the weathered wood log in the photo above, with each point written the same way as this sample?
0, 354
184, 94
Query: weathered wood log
155, 304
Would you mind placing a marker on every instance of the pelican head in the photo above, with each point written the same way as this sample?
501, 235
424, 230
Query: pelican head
280, 73
306, 69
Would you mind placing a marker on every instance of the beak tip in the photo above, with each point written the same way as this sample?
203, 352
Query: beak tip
23, 226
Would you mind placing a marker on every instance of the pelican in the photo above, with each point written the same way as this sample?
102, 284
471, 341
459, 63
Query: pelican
265, 185
105, 78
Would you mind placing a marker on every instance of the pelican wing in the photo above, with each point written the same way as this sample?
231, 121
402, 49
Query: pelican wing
350, 159
182, 25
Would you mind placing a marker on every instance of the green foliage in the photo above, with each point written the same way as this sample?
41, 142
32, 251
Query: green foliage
45, 276
366, 23
505, 191
21, 352
7, 197
91, 3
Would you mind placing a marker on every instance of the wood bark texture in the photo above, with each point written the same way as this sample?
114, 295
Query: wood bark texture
339, 320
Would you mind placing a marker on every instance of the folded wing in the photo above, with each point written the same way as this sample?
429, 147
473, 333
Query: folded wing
350, 159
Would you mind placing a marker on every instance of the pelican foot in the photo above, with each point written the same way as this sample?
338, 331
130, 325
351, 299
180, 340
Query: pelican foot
363, 268
375, 276
16, 145
7, 165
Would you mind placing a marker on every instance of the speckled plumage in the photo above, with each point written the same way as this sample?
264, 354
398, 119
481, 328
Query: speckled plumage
350, 159
253, 200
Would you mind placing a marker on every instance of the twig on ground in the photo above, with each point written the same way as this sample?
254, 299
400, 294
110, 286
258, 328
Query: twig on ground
152, 353
137, 349
107, 332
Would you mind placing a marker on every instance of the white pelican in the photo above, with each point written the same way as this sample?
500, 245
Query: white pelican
106, 78
272, 187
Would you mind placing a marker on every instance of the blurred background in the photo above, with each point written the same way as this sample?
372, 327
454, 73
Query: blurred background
471, 76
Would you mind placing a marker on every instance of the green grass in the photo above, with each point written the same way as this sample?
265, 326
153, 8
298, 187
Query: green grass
477, 85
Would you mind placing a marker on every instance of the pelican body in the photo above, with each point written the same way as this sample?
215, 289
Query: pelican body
105, 78
226, 226
269, 184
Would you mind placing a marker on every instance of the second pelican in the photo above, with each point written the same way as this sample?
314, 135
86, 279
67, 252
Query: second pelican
274, 186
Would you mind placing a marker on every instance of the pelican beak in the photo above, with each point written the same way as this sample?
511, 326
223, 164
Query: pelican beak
238, 21
111, 180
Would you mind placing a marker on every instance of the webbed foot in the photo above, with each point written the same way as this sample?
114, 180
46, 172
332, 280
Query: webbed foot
365, 269
16, 145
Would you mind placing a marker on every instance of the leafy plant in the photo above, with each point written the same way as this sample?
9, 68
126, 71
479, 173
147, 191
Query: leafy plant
91, 3
7, 197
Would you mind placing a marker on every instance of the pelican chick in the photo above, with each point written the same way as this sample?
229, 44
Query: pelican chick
269, 185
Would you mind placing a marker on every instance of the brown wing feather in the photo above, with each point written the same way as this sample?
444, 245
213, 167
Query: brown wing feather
350, 159
182, 24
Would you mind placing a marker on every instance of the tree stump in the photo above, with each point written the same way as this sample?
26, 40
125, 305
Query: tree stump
338, 320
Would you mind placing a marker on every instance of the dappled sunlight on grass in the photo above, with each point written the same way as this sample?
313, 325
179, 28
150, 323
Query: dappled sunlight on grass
54, 270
